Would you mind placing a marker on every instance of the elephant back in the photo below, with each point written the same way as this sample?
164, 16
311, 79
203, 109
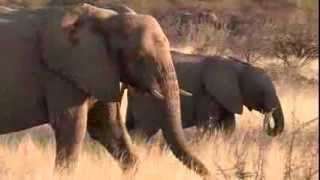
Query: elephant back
188, 69
22, 23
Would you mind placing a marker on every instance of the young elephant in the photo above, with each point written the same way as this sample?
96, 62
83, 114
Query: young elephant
220, 87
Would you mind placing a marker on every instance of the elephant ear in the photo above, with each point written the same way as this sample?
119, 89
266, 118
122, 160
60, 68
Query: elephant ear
221, 81
73, 51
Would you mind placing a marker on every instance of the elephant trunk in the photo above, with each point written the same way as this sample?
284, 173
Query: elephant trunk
171, 125
277, 116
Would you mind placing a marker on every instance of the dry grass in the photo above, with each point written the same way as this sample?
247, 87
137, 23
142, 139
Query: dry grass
247, 154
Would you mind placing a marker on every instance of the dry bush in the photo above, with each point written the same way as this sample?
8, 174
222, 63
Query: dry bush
286, 30
295, 45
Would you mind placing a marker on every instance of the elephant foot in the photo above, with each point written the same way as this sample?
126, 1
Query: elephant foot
124, 153
208, 177
69, 139
65, 166
129, 161
195, 164
63, 170
202, 170
224, 123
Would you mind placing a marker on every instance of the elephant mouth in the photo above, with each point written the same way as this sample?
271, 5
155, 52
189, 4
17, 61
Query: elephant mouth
145, 90
137, 88
157, 93
134, 85
149, 92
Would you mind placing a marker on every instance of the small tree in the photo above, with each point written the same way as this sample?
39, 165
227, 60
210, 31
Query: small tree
295, 44
247, 47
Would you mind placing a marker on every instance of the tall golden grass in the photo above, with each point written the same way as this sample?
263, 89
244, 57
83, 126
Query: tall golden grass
247, 154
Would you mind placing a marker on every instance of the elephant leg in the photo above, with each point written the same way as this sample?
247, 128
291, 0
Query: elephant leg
208, 115
201, 113
220, 119
227, 122
211, 116
144, 132
140, 129
151, 133
67, 109
106, 126
69, 130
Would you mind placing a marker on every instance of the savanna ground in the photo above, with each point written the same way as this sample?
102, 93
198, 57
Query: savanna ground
285, 48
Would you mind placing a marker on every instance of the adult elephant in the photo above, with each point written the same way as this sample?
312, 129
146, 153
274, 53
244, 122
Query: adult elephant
55, 61
220, 88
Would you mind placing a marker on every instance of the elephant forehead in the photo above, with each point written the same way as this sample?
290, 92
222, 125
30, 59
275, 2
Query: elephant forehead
150, 22
146, 23
154, 27
138, 20
140, 26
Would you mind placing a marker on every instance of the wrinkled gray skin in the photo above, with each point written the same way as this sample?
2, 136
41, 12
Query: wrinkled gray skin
55, 61
220, 88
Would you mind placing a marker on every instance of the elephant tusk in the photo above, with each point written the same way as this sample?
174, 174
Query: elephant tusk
267, 120
157, 94
122, 89
185, 93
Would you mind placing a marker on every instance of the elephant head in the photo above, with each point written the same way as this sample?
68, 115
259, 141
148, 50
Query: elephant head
120, 8
272, 110
235, 84
95, 49
259, 94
